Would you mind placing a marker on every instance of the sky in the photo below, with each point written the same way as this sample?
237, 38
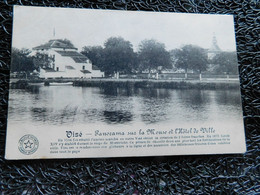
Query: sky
33, 26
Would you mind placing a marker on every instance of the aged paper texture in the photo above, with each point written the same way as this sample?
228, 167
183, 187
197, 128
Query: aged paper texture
101, 83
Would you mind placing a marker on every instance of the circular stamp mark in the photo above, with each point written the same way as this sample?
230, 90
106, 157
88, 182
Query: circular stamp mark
28, 144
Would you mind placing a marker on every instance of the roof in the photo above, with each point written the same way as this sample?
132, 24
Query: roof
49, 70
85, 71
55, 44
76, 56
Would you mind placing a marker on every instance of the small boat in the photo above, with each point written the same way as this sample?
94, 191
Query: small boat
57, 83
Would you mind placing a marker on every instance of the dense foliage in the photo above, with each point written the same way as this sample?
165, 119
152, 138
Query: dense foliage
119, 55
191, 57
153, 55
95, 54
66, 42
225, 62
21, 60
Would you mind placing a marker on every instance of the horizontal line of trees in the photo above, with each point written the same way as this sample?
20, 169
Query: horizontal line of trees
118, 56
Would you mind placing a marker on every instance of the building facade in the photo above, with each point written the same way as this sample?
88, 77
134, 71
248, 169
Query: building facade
60, 59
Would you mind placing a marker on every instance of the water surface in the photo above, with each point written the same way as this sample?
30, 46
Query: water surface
62, 105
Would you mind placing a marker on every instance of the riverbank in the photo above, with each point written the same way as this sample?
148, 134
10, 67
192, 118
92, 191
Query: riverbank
133, 83
168, 84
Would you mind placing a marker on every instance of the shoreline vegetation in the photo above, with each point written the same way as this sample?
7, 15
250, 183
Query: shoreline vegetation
165, 84
152, 66
220, 83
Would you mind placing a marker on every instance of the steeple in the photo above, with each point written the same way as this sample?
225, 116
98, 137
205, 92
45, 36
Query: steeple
214, 46
214, 49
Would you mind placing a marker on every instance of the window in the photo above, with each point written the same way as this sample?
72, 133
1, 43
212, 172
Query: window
57, 68
83, 67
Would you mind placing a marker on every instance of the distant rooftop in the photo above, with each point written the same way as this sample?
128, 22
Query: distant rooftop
56, 43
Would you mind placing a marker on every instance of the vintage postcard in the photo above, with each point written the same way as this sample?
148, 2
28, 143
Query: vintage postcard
101, 83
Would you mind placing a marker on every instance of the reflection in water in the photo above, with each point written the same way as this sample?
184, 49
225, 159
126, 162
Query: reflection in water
82, 105
153, 110
90, 114
39, 114
117, 116
194, 104
110, 91
228, 97
67, 115
34, 89
153, 93
115, 91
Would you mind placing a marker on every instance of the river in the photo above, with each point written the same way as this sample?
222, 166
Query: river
62, 105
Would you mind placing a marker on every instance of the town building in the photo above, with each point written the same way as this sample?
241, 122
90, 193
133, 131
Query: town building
214, 49
60, 59
212, 52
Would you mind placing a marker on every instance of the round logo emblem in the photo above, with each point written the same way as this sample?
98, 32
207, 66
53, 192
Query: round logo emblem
28, 144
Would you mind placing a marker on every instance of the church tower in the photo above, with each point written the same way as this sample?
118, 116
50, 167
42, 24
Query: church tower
214, 49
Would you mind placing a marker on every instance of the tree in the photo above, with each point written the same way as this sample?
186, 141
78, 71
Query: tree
95, 54
119, 56
225, 62
43, 60
21, 61
66, 42
152, 55
191, 57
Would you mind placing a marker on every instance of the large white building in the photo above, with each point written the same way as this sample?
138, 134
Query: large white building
60, 59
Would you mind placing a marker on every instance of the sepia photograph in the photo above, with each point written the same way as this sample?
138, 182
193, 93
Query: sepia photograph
102, 83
